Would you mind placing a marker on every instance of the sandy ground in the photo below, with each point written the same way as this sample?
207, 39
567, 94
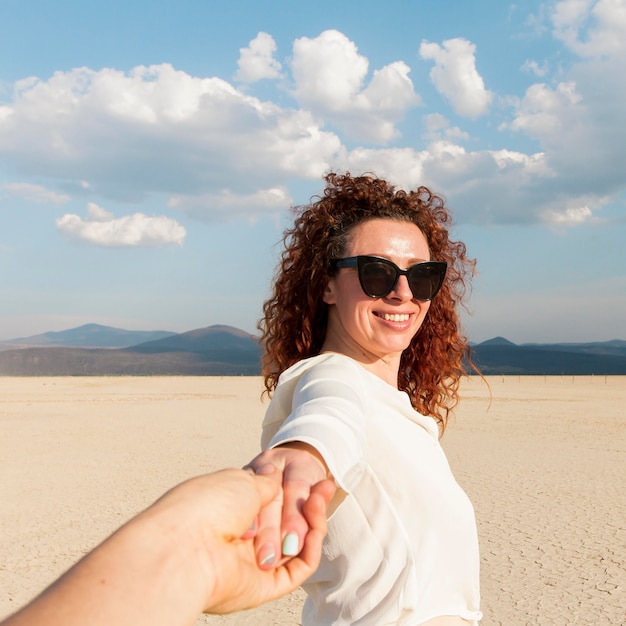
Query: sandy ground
544, 463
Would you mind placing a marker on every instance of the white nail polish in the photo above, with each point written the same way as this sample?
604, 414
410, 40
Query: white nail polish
290, 545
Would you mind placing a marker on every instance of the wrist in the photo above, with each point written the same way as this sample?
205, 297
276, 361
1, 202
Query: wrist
173, 557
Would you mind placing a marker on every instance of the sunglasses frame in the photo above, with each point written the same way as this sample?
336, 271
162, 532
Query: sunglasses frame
361, 260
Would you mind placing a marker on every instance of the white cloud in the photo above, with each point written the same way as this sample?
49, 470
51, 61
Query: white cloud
591, 28
438, 126
156, 129
217, 152
226, 203
257, 60
482, 187
328, 70
137, 230
569, 217
330, 74
580, 124
532, 67
455, 76
97, 213
35, 193
540, 112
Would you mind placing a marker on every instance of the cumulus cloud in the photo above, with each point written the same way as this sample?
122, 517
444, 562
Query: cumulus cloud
330, 75
540, 112
455, 76
35, 193
581, 126
490, 186
218, 152
137, 230
591, 28
257, 60
156, 129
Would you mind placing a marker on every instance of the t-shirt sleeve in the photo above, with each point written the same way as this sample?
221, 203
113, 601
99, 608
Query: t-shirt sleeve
328, 414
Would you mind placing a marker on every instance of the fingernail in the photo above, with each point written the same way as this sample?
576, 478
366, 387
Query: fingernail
290, 545
266, 555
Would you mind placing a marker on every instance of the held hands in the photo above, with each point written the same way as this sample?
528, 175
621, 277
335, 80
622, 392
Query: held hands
239, 583
191, 551
236, 496
282, 524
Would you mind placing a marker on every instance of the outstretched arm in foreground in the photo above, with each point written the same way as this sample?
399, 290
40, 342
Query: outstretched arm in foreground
182, 556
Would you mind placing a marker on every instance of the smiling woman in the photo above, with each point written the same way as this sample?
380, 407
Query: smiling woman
363, 356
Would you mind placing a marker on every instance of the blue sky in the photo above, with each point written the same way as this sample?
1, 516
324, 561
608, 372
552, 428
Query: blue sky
150, 152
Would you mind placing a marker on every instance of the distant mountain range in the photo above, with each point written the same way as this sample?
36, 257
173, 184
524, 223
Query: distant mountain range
89, 336
93, 349
213, 351
500, 356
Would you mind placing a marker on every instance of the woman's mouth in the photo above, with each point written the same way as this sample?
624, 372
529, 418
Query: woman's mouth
394, 317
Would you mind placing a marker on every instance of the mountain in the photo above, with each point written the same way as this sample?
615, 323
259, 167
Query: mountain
218, 337
497, 341
89, 336
94, 350
212, 351
215, 344
500, 356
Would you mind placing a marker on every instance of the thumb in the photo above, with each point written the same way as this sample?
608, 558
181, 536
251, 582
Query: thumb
268, 483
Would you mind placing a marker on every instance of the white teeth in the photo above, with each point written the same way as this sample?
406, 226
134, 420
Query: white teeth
397, 317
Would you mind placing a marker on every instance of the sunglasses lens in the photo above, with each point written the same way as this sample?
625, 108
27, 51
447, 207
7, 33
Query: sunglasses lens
425, 281
377, 278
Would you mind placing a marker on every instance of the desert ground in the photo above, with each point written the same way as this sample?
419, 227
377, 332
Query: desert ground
542, 458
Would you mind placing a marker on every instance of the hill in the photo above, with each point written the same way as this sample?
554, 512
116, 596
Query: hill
212, 351
500, 356
88, 336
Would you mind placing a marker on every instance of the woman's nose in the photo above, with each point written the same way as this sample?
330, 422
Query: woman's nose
401, 289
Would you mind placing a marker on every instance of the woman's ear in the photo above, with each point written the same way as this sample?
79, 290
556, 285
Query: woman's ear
329, 292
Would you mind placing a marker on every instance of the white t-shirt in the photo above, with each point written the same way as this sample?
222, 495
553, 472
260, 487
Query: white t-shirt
402, 546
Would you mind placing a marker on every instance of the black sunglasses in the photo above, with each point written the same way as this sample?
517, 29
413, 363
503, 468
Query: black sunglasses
378, 276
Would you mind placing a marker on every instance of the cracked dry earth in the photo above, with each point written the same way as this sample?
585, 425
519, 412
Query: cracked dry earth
544, 464
545, 467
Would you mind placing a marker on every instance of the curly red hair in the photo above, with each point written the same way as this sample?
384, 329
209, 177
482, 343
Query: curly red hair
296, 317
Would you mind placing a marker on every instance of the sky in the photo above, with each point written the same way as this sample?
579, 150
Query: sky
151, 151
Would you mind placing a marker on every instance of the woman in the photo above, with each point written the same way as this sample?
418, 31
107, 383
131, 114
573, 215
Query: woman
363, 356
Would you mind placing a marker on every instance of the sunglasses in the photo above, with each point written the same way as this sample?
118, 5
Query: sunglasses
378, 276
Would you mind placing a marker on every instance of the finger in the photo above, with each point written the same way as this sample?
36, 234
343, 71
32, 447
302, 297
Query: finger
267, 539
267, 483
327, 489
296, 492
315, 508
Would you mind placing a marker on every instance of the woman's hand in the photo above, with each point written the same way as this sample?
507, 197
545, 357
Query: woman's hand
281, 524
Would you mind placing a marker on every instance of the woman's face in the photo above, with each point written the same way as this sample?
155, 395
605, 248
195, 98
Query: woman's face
374, 329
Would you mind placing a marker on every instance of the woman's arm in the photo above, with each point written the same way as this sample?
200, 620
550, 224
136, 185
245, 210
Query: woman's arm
182, 556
